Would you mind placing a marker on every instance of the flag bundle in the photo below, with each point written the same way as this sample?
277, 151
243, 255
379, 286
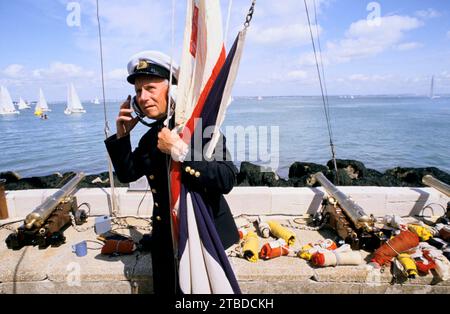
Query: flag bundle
204, 91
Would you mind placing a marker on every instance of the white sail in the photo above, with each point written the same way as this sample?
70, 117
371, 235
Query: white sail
73, 102
96, 101
42, 103
6, 103
23, 105
432, 96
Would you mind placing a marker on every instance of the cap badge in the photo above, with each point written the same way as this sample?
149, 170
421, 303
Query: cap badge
142, 65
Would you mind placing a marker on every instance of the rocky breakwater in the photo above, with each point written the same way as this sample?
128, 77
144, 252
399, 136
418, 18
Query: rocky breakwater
349, 173
56, 181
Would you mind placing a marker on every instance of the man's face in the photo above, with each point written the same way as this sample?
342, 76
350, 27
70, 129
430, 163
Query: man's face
151, 96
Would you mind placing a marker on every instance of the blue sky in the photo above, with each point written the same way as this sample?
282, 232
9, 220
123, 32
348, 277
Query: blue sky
398, 55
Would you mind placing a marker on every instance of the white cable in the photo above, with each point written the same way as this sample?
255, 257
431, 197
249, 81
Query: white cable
227, 25
166, 122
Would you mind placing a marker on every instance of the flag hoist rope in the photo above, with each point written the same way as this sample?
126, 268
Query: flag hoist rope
323, 87
170, 112
115, 209
227, 25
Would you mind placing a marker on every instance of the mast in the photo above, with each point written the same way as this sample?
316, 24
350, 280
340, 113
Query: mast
432, 87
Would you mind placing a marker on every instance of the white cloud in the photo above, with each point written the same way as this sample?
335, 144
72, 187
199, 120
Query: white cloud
286, 9
117, 75
297, 74
368, 78
428, 13
297, 34
364, 40
445, 75
14, 71
59, 70
408, 46
127, 29
284, 22
290, 76
308, 59
358, 77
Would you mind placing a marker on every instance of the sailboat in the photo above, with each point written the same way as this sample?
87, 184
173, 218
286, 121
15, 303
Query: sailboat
42, 105
6, 104
432, 96
96, 101
23, 105
73, 102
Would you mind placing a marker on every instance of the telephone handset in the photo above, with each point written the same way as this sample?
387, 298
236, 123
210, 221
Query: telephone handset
141, 116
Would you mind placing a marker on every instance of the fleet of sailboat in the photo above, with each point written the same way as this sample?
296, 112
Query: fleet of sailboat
6, 103
74, 106
73, 102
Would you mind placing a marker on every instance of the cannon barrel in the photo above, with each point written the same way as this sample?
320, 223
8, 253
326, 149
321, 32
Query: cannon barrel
38, 216
435, 183
355, 213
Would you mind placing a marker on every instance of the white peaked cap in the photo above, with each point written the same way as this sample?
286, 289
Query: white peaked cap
152, 57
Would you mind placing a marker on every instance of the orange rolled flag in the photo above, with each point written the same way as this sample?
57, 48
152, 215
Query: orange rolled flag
274, 249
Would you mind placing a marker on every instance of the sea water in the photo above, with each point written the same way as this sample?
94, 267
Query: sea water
382, 132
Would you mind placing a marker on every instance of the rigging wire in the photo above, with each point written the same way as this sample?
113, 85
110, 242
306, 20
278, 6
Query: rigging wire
115, 209
322, 84
227, 25
327, 107
321, 63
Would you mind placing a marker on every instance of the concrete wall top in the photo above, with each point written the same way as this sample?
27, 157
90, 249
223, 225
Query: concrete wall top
250, 200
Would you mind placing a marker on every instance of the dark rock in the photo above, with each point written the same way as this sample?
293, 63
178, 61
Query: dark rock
101, 180
304, 181
252, 175
10, 176
283, 183
300, 169
52, 181
355, 169
412, 177
342, 179
376, 178
57, 181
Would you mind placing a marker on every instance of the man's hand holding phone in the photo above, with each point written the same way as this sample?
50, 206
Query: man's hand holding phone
125, 122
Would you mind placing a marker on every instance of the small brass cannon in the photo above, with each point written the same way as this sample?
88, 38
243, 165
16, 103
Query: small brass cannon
348, 219
437, 184
444, 189
45, 225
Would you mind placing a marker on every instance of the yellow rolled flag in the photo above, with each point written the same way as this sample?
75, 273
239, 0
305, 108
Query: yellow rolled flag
422, 232
305, 253
251, 247
279, 232
409, 264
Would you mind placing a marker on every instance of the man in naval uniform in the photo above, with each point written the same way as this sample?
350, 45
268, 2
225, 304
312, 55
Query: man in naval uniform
149, 72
